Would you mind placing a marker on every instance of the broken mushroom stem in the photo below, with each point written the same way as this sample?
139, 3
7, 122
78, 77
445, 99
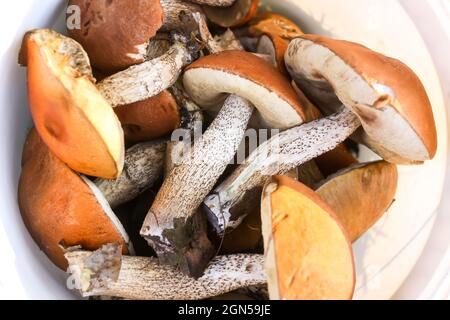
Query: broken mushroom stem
167, 227
106, 272
148, 79
279, 155
143, 167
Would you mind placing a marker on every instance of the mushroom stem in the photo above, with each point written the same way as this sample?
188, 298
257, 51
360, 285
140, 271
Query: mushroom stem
227, 41
143, 166
106, 273
168, 227
177, 14
214, 3
191, 127
278, 155
148, 79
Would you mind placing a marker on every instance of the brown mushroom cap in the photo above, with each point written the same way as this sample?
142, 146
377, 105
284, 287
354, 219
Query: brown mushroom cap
58, 206
271, 23
250, 77
115, 33
360, 195
149, 119
70, 114
275, 47
308, 255
236, 15
384, 93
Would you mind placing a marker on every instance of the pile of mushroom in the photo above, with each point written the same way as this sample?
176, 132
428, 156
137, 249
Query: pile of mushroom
146, 152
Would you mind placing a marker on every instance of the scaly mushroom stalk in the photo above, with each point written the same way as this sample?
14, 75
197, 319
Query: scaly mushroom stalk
167, 226
148, 79
106, 273
278, 155
143, 166
177, 15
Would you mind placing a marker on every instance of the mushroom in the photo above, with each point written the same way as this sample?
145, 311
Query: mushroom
148, 79
217, 44
190, 129
60, 206
105, 272
308, 254
167, 227
360, 195
236, 15
270, 23
396, 116
149, 119
275, 47
71, 116
143, 167
116, 34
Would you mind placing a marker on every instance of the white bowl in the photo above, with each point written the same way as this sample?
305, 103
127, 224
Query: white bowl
385, 256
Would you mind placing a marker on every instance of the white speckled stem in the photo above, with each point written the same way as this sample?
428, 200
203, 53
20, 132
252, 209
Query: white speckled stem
279, 155
146, 80
106, 273
143, 166
214, 3
187, 185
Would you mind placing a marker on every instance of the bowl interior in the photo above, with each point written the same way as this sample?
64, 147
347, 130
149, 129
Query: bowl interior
384, 256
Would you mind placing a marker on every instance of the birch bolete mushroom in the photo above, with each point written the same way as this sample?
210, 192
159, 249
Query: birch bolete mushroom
308, 254
106, 273
71, 116
60, 206
168, 226
236, 15
379, 93
144, 165
116, 34
149, 119
360, 195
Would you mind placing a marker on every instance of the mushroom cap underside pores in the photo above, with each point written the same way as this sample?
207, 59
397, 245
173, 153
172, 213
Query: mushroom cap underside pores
115, 33
384, 93
58, 206
275, 47
71, 116
360, 195
233, 16
211, 78
149, 119
308, 254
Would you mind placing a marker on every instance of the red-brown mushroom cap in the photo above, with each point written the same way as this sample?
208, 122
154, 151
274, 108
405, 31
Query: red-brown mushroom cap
70, 114
236, 15
210, 78
149, 119
115, 33
384, 93
59, 207
308, 254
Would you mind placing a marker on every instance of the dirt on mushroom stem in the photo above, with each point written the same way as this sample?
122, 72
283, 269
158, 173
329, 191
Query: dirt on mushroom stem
279, 155
106, 273
172, 226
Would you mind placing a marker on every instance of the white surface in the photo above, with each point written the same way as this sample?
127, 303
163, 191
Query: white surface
384, 257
